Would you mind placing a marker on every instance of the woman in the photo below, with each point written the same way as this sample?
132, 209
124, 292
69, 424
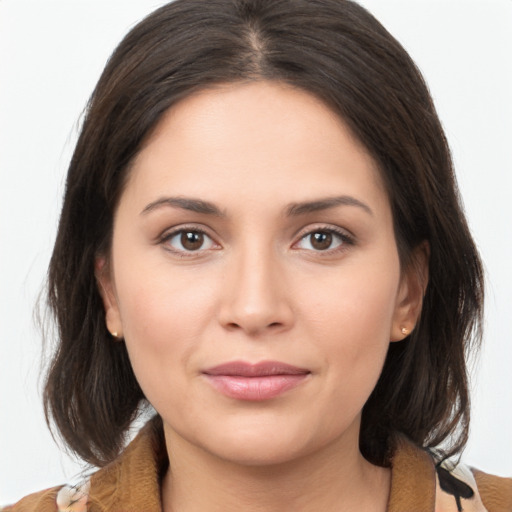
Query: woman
255, 208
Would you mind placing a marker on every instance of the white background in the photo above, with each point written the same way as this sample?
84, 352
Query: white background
51, 55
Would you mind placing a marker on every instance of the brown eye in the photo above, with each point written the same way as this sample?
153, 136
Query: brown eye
188, 241
321, 240
192, 240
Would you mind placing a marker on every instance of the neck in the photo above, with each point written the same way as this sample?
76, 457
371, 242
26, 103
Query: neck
335, 478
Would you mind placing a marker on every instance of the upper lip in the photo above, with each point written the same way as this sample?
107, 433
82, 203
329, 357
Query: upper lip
261, 369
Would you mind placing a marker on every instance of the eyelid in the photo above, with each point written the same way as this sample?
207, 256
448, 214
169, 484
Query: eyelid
346, 236
348, 239
169, 233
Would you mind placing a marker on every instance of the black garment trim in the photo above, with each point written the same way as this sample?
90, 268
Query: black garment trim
454, 486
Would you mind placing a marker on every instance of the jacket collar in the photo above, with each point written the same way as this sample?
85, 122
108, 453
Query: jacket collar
132, 482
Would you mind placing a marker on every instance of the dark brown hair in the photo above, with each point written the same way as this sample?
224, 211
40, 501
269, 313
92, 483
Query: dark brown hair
338, 52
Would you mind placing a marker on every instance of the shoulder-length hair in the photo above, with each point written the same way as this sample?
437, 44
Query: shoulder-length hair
337, 51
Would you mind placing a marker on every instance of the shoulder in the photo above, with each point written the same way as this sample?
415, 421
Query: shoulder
495, 491
42, 501
419, 482
471, 490
67, 498
130, 482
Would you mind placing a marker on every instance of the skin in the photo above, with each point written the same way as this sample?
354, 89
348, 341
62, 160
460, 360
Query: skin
258, 287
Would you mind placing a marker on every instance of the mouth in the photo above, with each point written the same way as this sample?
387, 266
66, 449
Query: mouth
255, 382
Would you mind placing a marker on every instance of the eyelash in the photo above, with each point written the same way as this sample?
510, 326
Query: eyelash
345, 238
166, 237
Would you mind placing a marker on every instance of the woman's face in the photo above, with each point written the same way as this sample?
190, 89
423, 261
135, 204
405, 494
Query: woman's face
254, 274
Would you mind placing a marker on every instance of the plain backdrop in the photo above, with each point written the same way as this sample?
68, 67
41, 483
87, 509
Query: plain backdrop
51, 55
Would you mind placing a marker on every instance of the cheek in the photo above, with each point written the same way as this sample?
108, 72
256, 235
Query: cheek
352, 304
163, 314
350, 319
155, 307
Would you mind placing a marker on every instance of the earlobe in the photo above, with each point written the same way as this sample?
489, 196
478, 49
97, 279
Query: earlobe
412, 289
108, 296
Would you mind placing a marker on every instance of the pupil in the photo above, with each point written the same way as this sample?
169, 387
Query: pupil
321, 241
192, 240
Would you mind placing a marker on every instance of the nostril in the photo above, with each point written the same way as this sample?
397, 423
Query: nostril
253, 329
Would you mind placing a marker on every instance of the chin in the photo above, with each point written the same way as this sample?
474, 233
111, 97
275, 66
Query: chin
266, 446
259, 454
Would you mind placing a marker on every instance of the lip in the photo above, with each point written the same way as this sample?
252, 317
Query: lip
255, 382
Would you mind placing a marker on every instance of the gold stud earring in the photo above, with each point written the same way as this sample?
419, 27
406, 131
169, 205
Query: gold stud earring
404, 331
115, 335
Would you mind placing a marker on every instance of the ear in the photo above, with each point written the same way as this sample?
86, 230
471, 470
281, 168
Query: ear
413, 286
107, 291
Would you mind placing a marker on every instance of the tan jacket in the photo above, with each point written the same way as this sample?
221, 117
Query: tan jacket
131, 484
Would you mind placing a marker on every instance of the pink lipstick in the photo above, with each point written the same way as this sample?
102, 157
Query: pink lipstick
255, 382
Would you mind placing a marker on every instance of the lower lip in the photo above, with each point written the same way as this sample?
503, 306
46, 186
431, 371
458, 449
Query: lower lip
255, 388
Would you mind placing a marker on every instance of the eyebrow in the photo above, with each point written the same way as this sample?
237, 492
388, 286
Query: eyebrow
327, 203
292, 210
185, 203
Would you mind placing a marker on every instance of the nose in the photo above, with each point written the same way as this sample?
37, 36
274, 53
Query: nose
256, 298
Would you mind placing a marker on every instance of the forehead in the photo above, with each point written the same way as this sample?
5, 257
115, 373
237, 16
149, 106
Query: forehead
253, 138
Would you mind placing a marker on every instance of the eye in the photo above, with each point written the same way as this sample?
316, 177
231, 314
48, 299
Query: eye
188, 240
323, 240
